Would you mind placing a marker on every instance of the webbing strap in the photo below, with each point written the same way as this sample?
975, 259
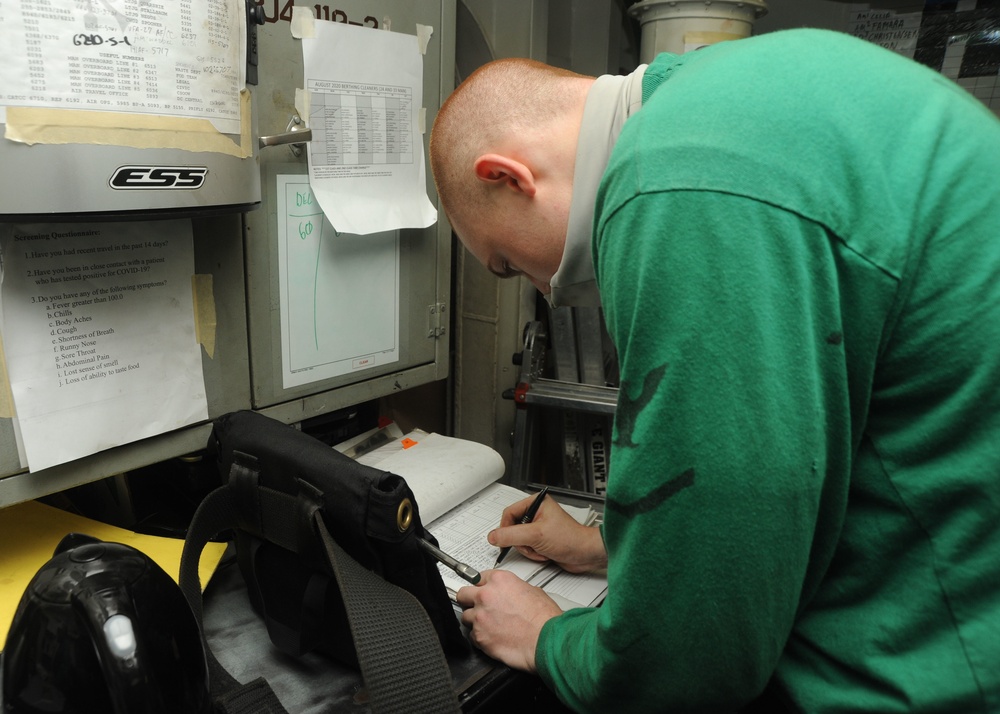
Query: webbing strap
400, 656
254, 697
216, 513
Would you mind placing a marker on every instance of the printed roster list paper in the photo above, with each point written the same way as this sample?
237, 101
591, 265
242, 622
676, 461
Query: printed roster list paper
99, 335
175, 58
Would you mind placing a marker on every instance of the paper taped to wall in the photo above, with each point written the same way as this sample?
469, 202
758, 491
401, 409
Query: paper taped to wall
366, 157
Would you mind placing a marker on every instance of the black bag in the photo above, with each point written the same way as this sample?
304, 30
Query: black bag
329, 550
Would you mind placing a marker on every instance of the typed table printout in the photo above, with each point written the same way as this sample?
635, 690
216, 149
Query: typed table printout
363, 97
357, 124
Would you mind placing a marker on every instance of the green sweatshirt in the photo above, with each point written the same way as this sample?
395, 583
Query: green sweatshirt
797, 244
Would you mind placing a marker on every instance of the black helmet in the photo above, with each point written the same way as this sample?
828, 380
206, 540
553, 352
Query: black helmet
102, 628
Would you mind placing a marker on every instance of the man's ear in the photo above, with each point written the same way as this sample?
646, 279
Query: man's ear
495, 168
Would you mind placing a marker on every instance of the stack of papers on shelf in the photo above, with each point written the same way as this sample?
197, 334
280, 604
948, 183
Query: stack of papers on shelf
455, 482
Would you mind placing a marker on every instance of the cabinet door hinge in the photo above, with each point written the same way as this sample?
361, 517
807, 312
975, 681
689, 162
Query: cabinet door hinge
437, 322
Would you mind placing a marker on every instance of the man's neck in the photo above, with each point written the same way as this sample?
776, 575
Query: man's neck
610, 101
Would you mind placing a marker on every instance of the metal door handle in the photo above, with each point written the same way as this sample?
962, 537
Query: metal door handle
293, 135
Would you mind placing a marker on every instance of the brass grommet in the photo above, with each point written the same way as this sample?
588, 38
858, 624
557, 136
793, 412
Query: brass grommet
404, 515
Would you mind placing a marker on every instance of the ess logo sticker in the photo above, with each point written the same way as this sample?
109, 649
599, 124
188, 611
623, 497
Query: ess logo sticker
158, 177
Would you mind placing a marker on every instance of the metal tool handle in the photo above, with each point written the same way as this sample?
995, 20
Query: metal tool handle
465, 571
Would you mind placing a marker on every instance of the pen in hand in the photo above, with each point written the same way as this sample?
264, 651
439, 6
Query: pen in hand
528, 516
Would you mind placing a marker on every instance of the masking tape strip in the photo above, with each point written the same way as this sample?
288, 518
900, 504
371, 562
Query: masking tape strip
7, 410
246, 124
303, 23
30, 125
424, 33
205, 320
303, 102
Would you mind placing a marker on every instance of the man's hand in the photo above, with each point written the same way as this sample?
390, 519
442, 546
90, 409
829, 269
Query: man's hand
505, 616
552, 535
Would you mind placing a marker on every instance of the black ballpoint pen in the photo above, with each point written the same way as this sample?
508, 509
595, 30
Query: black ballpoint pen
528, 516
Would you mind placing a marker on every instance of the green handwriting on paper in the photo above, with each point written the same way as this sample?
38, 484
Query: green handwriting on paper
308, 223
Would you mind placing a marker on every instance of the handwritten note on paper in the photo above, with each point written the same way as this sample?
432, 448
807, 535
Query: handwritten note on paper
99, 334
366, 158
339, 292
462, 533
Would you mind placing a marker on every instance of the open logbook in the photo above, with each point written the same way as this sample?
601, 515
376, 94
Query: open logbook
455, 482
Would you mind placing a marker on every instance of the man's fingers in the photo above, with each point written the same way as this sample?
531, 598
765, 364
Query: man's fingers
513, 513
497, 537
523, 537
466, 597
516, 535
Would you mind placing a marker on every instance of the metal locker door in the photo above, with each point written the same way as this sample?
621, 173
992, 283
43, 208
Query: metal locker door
424, 254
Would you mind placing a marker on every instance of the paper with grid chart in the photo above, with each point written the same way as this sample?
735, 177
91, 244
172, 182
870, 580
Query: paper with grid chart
364, 90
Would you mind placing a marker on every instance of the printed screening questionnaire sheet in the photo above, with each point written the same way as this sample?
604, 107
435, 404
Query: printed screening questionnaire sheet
99, 334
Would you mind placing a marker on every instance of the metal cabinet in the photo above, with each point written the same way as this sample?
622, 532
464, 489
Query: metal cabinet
236, 244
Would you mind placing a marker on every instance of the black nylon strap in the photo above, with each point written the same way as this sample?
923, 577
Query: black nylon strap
216, 513
400, 657
398, 650
254, 697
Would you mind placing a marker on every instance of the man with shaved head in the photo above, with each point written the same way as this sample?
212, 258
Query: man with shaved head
795, 239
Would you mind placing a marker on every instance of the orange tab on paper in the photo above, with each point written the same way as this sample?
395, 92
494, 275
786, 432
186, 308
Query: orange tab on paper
408, 442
